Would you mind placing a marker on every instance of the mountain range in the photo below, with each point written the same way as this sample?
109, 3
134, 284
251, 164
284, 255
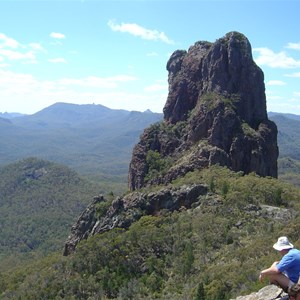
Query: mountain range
288, 134
97, 141
92, 139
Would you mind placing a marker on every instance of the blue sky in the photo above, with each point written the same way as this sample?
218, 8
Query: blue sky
115, 53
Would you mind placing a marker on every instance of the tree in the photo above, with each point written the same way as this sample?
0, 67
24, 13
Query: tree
200, 293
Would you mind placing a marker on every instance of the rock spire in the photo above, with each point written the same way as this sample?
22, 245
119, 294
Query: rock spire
215, 113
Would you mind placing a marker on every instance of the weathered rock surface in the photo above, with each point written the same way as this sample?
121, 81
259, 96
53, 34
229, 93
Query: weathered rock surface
125, 210
215, 114
82, 228
269, 292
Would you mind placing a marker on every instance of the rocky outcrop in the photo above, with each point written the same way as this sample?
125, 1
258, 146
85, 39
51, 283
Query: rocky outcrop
81, 230
226, 68
125, 210
269, 292
215, 114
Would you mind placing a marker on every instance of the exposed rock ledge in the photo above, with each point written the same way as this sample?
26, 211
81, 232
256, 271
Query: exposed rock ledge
125, 210
128, 209
269, 292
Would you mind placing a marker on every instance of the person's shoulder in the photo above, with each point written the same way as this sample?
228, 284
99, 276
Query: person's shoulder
294, 251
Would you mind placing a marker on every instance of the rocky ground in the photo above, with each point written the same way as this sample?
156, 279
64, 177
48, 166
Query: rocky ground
269, 292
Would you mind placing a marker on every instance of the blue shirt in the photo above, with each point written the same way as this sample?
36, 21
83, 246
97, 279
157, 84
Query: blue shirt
290, 265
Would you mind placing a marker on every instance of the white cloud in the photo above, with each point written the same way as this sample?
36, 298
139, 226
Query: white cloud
36, 46
6, 41
296, 94
284, 103
57, 35
294, 46
27, 94
284, 107
12, 50
17, 55
297, 75
57, 60
2, 64
275, 60
276, 83
16, 83
140, 31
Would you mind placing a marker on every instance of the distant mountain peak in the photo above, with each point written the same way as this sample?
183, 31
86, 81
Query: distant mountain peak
12, 115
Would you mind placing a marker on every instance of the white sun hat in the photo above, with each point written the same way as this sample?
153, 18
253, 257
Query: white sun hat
283, 243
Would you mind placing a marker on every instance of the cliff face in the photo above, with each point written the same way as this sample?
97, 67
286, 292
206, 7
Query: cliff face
226, 68
215, 114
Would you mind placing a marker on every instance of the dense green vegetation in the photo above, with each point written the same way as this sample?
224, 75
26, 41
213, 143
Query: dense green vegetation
39, 202
212, 251
289, 170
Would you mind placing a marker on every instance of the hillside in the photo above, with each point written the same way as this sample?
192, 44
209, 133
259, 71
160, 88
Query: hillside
288, 134
289, 146
175, 255
39, 201
286, 115
93, 140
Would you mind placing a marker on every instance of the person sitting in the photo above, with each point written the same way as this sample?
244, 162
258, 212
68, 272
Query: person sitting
283, 273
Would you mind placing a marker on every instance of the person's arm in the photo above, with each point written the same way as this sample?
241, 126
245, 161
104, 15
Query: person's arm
270, 271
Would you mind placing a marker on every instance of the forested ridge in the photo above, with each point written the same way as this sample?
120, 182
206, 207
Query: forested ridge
212, 251
40, 201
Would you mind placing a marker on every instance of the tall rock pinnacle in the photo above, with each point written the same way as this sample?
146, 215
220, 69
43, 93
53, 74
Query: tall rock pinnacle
215, 113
